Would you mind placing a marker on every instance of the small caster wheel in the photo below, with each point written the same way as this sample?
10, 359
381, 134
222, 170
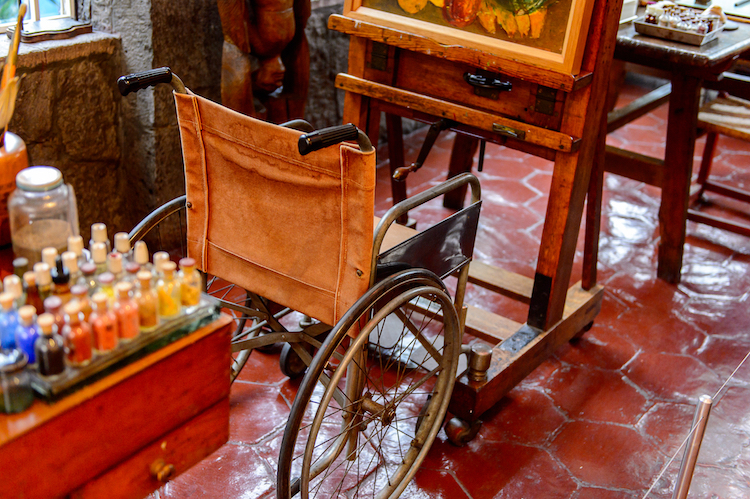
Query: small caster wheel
585, 329
460, 432
290, 363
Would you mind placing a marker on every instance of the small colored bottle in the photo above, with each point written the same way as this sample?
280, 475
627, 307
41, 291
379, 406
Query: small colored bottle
147, 301
76, 336
20, 266
191, 283
168, 290
61, 281
70, 261
80, 293
54, 306
49, 255
49, 348
88, 270
106, 285
131, 271
75, 244
43, 279
103, 324
122, 246
99, 257
26, 332
140, 256
160, 257
32, 292
13, 284
126, 310
99, 235
114, 265
8, 321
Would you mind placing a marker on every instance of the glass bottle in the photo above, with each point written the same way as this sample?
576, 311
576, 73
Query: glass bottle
43, 279
80, 293
54, 306
8, 321
160, 257
103, 324
49, 348
88, 270
114, 265
99, 257
106, 285
61, 281
76, 336
15, 383
168, 290
75, 244
131, 271
32, 292
12, 284
99, 235
140, 255
42, 211
147, 301
49, 255
126, 310
122, 246
26, 332
70, 261
191, 283
20, 266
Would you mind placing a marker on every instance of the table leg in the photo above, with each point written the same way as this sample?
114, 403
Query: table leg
462, 159
395, 134
678, 167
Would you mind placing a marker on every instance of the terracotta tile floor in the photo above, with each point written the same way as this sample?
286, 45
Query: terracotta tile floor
602, 416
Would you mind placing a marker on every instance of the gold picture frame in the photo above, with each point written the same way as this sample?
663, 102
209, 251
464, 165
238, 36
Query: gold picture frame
550, 34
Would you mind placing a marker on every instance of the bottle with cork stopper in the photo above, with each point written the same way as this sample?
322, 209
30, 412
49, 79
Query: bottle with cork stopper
126, 310
80, 293
191, 283
43, 279
99, 235
77, 336
115, 264
99, 257
147, 301
54, 306
8, 321
103, 324
26, 332
20, 266
12, 284
168, 290
32, 292
75, 244
49, 348
122, 246
49, 255
70, 262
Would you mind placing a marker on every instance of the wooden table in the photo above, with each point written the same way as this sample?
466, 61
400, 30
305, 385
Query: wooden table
689, 67
128, 433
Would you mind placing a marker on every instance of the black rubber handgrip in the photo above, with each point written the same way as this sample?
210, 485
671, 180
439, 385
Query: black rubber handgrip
144, 79
319, 139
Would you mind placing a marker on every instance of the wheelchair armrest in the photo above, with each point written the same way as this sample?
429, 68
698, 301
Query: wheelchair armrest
410, 203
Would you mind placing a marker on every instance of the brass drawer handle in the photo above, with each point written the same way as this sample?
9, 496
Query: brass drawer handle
162, 471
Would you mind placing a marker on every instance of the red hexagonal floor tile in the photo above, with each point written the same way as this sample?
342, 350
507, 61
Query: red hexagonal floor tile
670, 377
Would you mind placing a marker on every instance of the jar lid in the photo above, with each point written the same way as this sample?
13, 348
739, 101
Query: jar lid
12, 360
39, 178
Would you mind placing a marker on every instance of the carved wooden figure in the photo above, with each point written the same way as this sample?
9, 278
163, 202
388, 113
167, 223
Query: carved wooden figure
265, 61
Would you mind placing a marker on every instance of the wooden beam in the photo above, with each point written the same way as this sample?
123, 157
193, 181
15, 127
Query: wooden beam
634, 165
637, 108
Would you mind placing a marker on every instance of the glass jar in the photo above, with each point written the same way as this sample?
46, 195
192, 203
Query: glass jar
15, 383
43, 212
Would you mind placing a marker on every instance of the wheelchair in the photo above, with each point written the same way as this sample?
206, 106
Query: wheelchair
280, 219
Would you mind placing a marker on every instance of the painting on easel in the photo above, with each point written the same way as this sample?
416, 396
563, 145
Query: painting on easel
546, 33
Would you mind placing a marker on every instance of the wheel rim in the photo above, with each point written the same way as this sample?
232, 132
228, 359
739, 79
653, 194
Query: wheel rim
388, 398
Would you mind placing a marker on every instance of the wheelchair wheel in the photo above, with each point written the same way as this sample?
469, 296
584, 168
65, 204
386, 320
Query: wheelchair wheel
165, 228
375, 395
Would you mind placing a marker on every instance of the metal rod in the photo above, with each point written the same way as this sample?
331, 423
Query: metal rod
693, 447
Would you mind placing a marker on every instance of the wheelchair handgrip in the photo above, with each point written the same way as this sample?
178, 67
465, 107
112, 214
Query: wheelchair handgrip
319, 139
144, 79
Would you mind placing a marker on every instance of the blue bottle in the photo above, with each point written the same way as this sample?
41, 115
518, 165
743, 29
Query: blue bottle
8, 320
27, 332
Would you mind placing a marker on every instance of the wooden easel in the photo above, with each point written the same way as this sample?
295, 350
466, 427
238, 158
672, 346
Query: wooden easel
556, 116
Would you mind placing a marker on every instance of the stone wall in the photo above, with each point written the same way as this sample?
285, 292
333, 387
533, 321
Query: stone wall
122, 155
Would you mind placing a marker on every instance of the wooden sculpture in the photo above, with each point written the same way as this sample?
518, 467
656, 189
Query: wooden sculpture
265, 60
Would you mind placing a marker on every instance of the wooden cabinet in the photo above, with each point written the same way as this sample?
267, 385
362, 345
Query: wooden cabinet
118, 437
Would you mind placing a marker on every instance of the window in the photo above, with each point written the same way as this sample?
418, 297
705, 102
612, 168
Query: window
37, 10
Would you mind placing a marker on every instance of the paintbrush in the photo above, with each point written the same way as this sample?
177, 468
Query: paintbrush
9, 81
